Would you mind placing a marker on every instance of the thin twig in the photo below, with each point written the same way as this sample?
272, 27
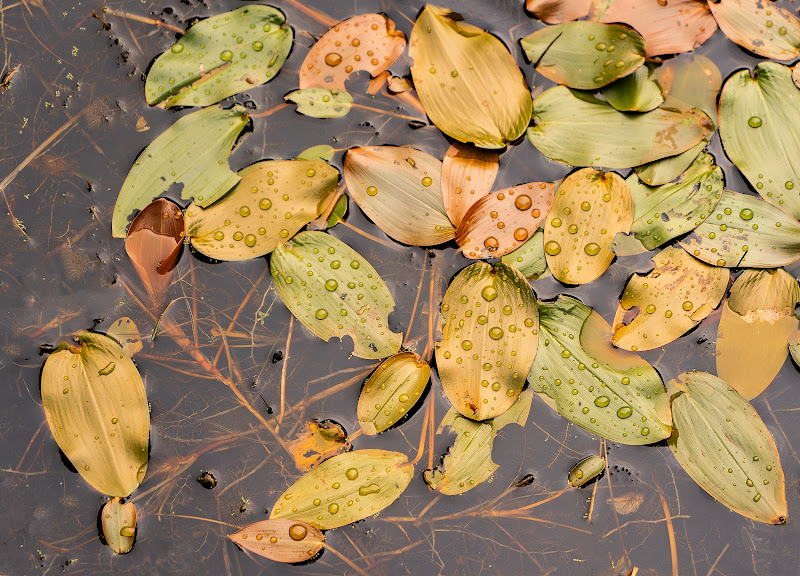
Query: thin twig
283, 370
142, 19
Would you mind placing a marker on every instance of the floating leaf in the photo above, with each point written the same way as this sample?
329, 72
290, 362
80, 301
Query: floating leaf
665, 212
400, 190
530, 258
321, 102
757, 115
125, 332
670, 300
468, 174
317, 441
609, 392
761, 27
501, 222
637, 92
745, 231
346, 488
272, 202
668, 27
755, 328
365, 42
280, 540
348, 297
467, 80
558, 11
721, 442
586, 470
323, 153
581, 130
193, 152
95, 404
480, 374
338, 212
469, 460
392, 391
119, 525
590, 208
585, 55
221, 56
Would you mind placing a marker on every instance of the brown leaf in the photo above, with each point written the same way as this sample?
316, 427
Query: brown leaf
126, 333
468, 174
366, 42
317, 441
626, 503
501, 222
280, 539
761, 27
141, 125
558, 11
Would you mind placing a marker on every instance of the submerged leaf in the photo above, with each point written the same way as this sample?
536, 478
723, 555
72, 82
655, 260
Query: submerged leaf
722, 443
221, 56
530, 258
467, 80
95, 404
193, 152
317, 441
273, 200
348, 297
119, 524
125, 332
558, 11
321, 102
482, 362
280, 540
761, 27
585, 55
609, 392
346, 488
586, 470
468, 174
674, 297
400, 190
637, 92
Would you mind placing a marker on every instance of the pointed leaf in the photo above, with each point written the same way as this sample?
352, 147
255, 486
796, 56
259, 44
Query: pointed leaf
323, 153
558, 11
400, 190
585, 55
280, 540
488, 339
119, 525
95, 404
321, 102
670, 300
637, 92
346, 488
529, 258
745, 231
468, 174
338, 212
761, 27
609, 392
221, 56
273, 200
590, 208
581, 130
317, 441
501, 222
193, 152
125, 332
365, 42
348, 297
722, 443
467, 80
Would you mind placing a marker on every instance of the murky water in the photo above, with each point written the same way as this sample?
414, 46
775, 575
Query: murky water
77, 100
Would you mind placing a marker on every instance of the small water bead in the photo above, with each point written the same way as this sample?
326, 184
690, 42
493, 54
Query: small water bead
782, 31
244, 211
466, 345
552, 248
219, 235
754, 122
284, 233
333, 59
352, 473
687, 305
573, 229
114, 420
645, 431
520, 234
625, 412
372, 190
272, 539
507, 310
489, 293
566, 354
177, 49
491, 243
487, 366
529, 322
238, 236
331, 285
250, 240
556, 222
482, 319
354, 264
746, 214
601, 46
495, 333
311, 172
317, 501
367, 490
226, 55
650, 309
602, 401
592, 249
789, 185
333, 507
265, 203
523, 202
427, 181
258, 46
321, 314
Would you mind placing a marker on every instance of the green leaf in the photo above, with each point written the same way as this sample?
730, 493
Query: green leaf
721, 442
469, 460
586, 470
585, 55
767, 29
272, 202
95, 404
348, 297
665, 212
280, 540
614, 394
468, 82
221, 56
529, 258
339, 210
193, 152
118, 521
581, 130
637, 92
745, 231
346, 488
757, 115
488, 313
321, 102
323, 153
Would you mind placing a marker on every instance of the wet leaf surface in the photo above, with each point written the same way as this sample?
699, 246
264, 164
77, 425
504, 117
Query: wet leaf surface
280, 540
317, 441
468, 174
529, 258
118, 521
765, 28
321, 102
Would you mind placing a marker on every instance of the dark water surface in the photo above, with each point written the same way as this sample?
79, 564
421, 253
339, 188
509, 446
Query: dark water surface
65, 272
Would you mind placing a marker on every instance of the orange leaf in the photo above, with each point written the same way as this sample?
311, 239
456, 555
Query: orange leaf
317, 441
467, 176
366, 42
280, 539
559, 11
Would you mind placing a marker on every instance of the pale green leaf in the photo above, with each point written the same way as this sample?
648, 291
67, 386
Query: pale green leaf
323, 153
529, 258
338, 212
637, 92
321, 102
586, 470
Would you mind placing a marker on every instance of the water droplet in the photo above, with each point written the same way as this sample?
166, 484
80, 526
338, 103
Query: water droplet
495, 333
273, 539
427, 181
265, 204
625, 412
789, 184
250, 240
566, 354
354, 264
601, 401
650, 309
177, 49
284, 233
782, 32
523, 202
258, 46
244, 211
573, 229
556, 222
585, 206
372, 190
552, 248
317, 501
238, 236
219, 235
482, 319
754, 122
645, 431
226, 55
491, 243
507, 310
592, 249
321, 314
114, 420
351, 474
333, 507
66, 391
333, 59
746, 214
371, 489
520, 234
489, 293
466, 345
601, 46
403, 398
688, 305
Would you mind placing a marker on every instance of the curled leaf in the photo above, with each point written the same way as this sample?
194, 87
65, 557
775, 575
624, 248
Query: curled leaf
529, 258
317, 441
765, 28
119, 524
586, 470
468, 174
321, 102
280, 540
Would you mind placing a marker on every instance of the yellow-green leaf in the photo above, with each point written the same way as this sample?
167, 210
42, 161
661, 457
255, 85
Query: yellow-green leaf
321, 102
529, 258
637, 92
280, 540
118, 520
586, 470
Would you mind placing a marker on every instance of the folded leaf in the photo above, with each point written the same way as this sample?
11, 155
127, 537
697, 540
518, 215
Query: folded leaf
767, 29
468, 174
280, 540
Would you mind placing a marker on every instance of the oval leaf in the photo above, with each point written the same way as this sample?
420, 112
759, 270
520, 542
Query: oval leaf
467, 80
119, 525
586, 470
348, 297
724, 446
489, 339
321, 102
637, 92
280, 540
346, 488
558, 11
609, 392
764, 28
468, 174
95, 404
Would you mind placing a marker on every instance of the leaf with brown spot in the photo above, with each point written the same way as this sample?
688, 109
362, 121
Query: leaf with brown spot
365, 42
317, 441
280, 540
118, 521
503, 221
126, 333
761, 27
468, 174
590, 208
674, 297
558, 11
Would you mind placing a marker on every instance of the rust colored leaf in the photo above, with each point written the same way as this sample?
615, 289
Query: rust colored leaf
366, 42
468, 174
558, 11
318, 441
759, 26
501, 222
280, 539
